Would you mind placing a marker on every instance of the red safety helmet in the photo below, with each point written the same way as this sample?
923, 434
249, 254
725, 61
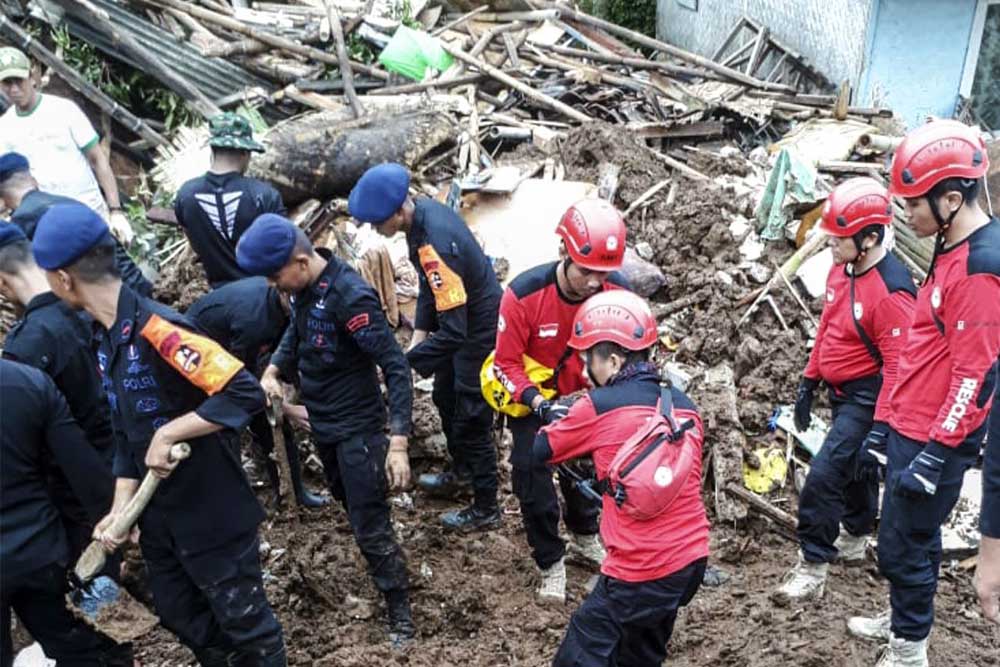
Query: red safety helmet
616, 316
594, 234
855, 204
933, 152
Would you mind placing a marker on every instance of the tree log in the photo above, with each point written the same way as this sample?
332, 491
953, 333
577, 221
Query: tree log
323, 154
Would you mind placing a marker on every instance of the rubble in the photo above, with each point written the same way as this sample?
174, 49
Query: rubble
541, 108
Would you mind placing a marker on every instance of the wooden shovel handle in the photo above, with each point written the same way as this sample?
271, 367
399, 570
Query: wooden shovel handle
94, 556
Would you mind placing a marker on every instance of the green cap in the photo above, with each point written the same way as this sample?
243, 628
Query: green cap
231, 130
13, 64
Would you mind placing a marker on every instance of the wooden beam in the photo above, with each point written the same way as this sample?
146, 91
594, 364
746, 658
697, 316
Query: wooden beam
346, 74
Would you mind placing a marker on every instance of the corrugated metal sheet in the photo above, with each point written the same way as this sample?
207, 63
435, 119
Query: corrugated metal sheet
215, 77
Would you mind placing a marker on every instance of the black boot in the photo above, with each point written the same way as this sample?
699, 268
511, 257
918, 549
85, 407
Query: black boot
304, 496
471, 518
213, 656
445, 484
401, 628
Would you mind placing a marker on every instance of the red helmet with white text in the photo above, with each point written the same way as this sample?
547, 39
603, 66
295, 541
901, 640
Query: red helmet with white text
855, 204
933, 152
593, 232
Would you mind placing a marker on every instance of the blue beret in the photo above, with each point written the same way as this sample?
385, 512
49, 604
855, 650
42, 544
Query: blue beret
10, 233
379, 193
65, 233
11, 163
266, 245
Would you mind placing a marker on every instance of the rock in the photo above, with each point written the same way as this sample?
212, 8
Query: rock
358, 608
644, 250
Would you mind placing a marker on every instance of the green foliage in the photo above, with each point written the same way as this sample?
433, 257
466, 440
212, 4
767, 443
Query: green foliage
133, 89
359, 50
638, 15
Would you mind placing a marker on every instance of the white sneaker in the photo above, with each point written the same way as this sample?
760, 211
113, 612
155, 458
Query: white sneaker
874, 628
586, 549
904, 653
804, 582
553, 587
851, 549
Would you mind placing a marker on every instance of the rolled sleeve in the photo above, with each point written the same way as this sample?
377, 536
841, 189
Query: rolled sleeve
233, 407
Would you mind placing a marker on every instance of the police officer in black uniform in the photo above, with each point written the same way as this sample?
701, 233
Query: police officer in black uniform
458, 304
56, 340
165, 384
38, 434
215, 209
19, 192
337, 336
248, 317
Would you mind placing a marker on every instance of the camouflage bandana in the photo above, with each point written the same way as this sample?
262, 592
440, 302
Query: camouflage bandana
230, 130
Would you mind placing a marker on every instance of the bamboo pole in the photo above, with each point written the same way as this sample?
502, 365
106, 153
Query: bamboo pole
99, 20
522, 88
276, 41
20, 38
346, 74
663, 47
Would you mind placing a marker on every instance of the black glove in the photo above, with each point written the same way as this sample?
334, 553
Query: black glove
803, 403
550, 412
921, 477
872, 456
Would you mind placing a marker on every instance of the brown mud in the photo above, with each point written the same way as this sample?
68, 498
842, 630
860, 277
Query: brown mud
473, 595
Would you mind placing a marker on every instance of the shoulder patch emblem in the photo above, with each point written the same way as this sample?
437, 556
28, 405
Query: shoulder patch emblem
447, 286
358, 322
201, 360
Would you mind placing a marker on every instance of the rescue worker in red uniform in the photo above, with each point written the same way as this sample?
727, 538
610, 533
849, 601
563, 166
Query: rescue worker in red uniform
654, 565
536, 316
946, 377
869, 304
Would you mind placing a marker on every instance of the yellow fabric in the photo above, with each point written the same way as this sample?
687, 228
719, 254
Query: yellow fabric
201, 360
447, 286
498, 395
772, 470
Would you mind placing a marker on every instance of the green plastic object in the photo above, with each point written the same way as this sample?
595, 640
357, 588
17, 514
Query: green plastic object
411, 52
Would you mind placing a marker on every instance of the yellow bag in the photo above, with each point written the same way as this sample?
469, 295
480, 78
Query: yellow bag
498, 396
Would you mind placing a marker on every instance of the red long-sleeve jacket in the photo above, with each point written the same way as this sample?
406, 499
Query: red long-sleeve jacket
882, 304
536, 320
947, 369
597, 425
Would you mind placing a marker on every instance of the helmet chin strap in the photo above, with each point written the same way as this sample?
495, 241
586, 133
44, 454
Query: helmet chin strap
943, 224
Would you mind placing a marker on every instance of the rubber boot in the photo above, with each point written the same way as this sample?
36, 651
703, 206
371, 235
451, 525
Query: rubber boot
276, 657
401, 628
471, 518
304, 496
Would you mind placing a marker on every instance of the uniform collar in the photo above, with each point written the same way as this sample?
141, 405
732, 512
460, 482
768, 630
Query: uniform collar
325, 280
124, 328
40, 301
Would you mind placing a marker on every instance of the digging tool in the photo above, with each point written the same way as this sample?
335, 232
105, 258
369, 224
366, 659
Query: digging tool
94, 557
101, 602
275, 417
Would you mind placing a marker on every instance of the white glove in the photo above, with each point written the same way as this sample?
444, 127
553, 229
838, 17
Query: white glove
120, 227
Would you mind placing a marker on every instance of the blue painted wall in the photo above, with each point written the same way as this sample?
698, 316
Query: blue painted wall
916, 54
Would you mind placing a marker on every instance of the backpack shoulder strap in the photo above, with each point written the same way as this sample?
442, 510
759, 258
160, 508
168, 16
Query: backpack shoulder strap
665, 406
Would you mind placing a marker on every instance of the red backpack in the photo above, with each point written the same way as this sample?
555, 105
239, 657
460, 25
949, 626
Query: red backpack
650, 469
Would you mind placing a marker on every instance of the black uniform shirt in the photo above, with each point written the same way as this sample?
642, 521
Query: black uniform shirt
37, 432
36, 203
337, 336
459, 294
57, 340
155, 369
215, 210
244, 316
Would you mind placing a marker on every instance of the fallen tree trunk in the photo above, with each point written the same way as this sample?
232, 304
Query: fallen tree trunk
322, 155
